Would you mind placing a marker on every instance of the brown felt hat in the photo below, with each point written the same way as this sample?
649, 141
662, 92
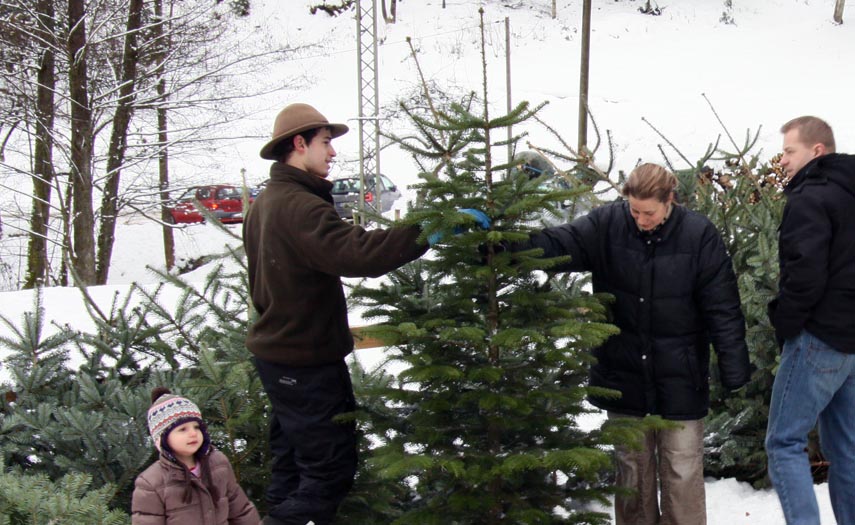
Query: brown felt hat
294, 119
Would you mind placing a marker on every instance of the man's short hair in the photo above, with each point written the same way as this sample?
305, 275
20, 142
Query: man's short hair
650, 181
284, 149
812, 130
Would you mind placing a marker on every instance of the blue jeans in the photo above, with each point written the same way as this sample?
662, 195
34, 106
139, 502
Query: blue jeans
814, 382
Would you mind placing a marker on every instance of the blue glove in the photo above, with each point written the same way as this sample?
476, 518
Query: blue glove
480, 217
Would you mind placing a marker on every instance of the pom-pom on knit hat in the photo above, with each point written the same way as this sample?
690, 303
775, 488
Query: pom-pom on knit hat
169, 411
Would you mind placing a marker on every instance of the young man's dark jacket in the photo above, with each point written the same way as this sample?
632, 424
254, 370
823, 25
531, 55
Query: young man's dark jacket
675, 293
816, 250
297, 249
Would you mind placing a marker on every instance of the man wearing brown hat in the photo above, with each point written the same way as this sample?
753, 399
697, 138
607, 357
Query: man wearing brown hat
298, 248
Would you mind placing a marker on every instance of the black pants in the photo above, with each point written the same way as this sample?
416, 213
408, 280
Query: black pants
314, 458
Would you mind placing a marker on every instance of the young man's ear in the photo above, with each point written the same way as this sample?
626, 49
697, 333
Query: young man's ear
819, 149
299, 142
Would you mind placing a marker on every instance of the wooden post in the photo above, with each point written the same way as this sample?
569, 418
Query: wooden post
508, 94
583, 78
838, 11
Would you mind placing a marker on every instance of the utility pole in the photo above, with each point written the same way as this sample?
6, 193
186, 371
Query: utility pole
369, 105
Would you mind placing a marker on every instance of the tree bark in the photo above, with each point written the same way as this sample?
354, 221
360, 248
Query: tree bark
43, 171
163, 136
118, 142
83, 217
838, 11
65, 211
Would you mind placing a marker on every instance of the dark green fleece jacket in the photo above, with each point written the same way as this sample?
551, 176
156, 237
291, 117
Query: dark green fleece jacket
298, 248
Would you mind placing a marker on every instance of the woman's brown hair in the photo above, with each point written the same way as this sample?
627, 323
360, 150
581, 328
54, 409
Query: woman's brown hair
650, 181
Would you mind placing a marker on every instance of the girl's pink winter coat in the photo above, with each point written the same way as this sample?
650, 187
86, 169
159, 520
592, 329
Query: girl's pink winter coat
159, 496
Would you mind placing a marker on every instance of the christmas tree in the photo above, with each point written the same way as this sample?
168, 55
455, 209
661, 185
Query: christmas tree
89, 418
743, 197
484, 420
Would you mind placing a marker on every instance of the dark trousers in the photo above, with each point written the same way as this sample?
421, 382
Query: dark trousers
314, 458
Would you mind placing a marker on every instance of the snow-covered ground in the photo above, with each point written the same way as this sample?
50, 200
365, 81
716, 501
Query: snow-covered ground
780, 59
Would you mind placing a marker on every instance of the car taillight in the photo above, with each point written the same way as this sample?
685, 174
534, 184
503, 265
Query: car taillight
369, 197
214, 206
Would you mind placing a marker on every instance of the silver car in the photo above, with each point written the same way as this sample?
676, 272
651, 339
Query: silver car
345, 193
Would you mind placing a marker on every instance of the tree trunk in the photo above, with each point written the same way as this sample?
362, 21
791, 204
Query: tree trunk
65, 210
118, 142
163, 137
83, 217
37, 263
838, 11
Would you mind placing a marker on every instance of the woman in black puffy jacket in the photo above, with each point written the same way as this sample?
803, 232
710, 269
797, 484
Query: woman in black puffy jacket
675, 293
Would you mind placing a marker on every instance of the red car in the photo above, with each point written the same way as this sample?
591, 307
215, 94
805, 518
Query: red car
224, 201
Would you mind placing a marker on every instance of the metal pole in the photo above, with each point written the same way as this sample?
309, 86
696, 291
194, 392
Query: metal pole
378, 184
369, 104
360, 206
583, 77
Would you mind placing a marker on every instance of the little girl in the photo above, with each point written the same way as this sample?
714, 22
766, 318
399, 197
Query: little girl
191, 483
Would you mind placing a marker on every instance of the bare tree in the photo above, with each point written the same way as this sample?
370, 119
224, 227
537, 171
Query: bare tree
161, 35
118, 141
333, 9
43, 172
83, 215
727, 13
115, 68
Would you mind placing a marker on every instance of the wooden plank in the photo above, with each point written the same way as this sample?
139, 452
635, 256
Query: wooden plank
360, 340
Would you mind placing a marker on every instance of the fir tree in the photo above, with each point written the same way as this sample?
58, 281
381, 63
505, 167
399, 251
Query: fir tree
88, 422
744, 199
485, 423
91, 419
36, 500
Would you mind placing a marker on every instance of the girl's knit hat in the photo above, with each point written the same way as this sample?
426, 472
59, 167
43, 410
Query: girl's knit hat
169, 411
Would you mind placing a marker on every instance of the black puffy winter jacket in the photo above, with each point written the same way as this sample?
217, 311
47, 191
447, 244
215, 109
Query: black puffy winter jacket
816, 249
675, 293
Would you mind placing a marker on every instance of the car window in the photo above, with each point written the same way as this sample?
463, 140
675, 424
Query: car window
187, 195
388, 184
342, 186
228, 193
203, 193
